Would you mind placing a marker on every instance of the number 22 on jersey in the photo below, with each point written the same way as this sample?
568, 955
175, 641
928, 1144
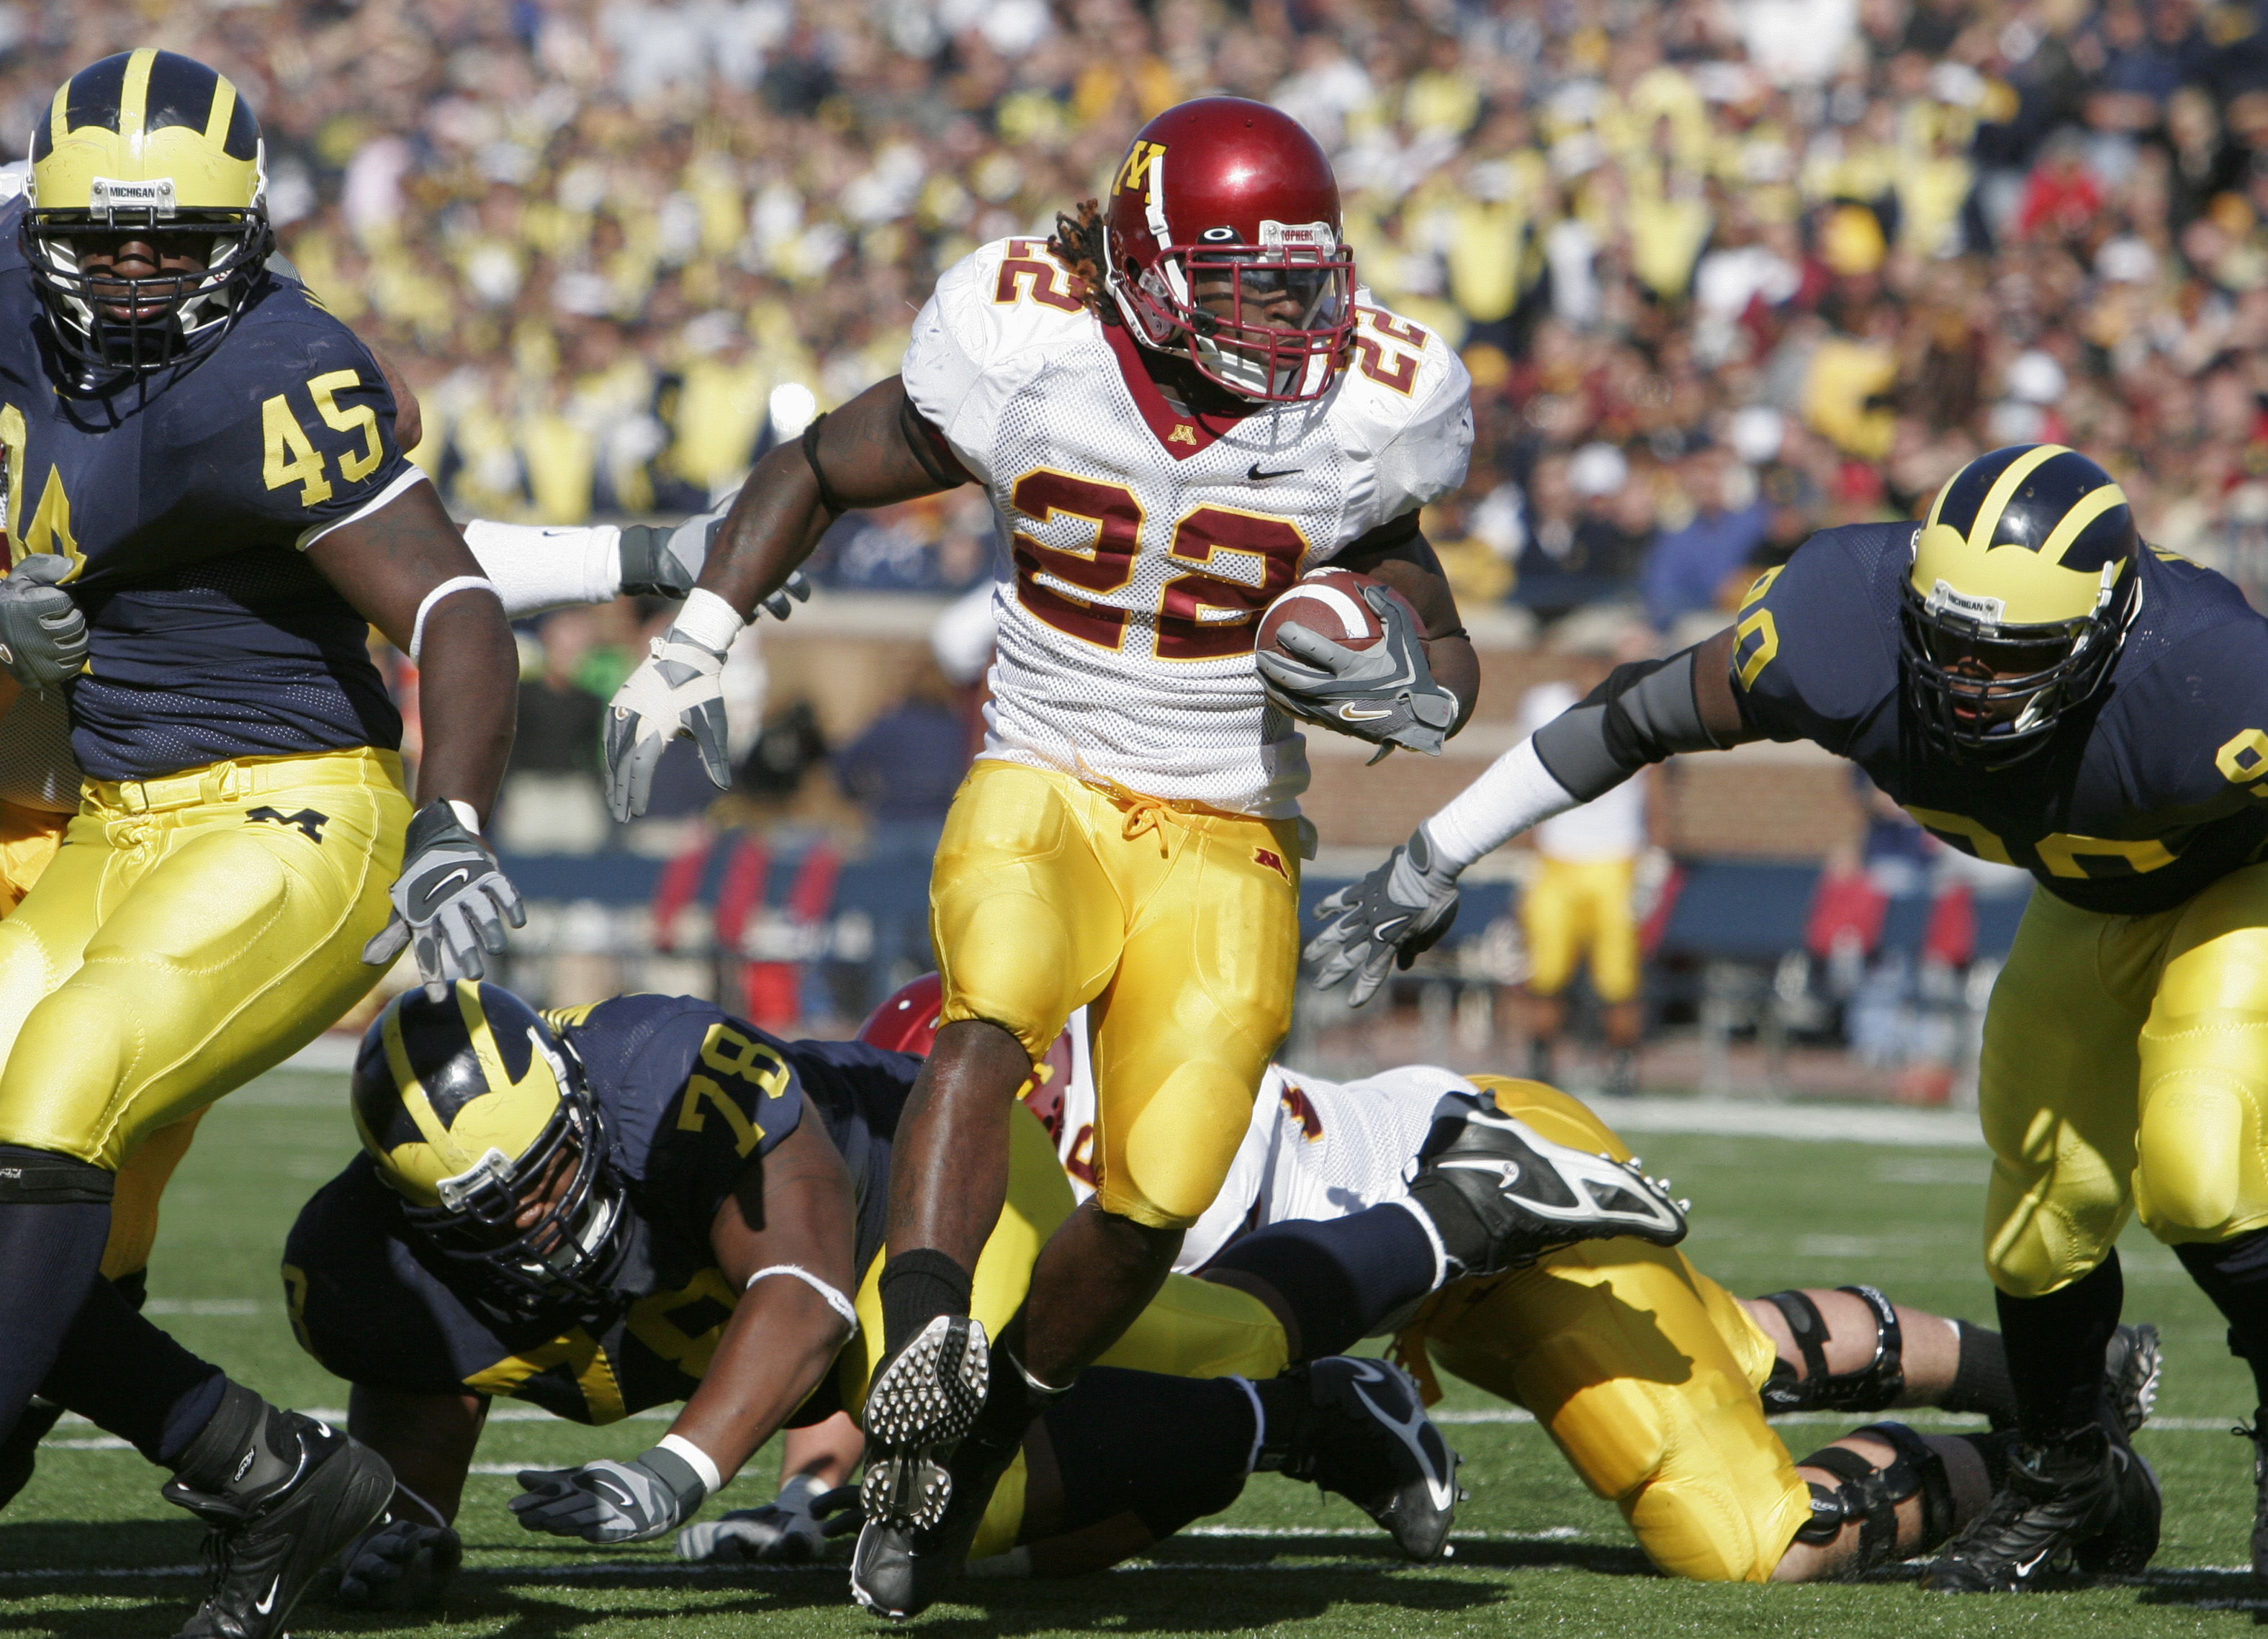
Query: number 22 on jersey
1232, 565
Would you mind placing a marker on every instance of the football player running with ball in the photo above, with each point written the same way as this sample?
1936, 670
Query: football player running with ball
204, 461
1177, 405
2037, 687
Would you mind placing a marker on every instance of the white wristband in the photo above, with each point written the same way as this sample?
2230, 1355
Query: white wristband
698, 1460
468, 816
708, 620
454, 584
1512, 793
836, 1300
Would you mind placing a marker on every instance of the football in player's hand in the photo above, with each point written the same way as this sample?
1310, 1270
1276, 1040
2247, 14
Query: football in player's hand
1328, 603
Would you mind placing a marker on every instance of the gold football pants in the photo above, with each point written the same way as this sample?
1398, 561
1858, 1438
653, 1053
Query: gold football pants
1575, 907
1191, 1329
2125, 1067
1643, 1371
1178, 926
190, 933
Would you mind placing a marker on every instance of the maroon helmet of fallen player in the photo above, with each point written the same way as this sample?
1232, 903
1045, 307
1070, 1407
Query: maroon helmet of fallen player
908, 1021
1224, 241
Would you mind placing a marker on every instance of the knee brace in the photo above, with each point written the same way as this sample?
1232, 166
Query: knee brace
43, 1178
1873, 1386
1871, 1495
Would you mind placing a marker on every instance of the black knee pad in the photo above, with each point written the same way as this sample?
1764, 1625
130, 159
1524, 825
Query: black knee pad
43, 1178
1872, 1387
1871, 1495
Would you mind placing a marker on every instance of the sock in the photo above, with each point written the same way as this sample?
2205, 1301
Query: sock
916, 1288
1165, 1449
1980, 1377
1992, 1449
2055, 1346
54, 1216
246, 1449
2235, 1274
129, 1378
1342, 1276
1464, 1237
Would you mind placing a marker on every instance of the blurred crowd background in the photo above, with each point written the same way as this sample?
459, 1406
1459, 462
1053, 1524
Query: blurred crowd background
1725, 272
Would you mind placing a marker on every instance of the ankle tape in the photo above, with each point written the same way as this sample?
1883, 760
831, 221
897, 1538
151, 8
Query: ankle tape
1872, 1387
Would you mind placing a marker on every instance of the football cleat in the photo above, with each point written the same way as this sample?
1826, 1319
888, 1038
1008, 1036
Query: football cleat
2252, 1432
899, 1572
2090, 1502
1532, 1196
1363, 1434
922, 1402
2132, 1367
262, 1556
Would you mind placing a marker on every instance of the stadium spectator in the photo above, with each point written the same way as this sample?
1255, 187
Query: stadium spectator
904, 768
552, 802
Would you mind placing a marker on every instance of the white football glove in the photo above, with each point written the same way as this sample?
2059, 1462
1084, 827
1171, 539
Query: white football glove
1384, 920
677, 690
1385, 694
450, 902
43, 634
782, 1531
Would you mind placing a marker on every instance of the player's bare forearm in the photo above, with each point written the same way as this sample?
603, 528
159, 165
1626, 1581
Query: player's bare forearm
384, 565
829, 1452
1404, 560
794, 1207
1712, 692
427, 1439
779, 516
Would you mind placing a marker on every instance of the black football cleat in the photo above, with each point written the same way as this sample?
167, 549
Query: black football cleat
1363, 1434
264, 1554
2089, 1502
2132, 1367
1531, 1196
899, 1572
2252, 1431
922, 1402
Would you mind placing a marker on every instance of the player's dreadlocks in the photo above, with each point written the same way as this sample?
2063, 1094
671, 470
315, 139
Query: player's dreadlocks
1078, 245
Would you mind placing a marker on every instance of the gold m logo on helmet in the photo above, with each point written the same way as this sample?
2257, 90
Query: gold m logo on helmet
1136, 174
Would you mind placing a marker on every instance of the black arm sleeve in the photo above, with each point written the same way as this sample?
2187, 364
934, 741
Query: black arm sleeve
1645, 712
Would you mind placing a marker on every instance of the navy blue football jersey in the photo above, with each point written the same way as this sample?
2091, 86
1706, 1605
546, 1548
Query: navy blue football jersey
183, 499
691, 1095
2150, 790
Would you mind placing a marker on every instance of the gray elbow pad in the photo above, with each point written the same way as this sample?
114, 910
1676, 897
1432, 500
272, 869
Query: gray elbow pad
1644, 712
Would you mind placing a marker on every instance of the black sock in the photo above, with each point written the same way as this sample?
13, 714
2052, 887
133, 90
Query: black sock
1463, 1236
2055, 1346
246, 1449
917, 1287
1980, 1377
1341, 1276
2235, 1274
129, 1378
54, 1216
1165, 1449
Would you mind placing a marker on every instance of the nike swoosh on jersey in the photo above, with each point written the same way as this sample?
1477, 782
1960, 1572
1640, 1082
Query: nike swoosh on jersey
1253, 474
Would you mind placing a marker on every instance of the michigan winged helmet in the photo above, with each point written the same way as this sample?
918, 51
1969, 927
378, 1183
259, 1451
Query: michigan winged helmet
152, 146
478, 1116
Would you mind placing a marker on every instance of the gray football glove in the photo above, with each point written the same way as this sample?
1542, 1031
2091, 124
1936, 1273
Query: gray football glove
400, 1566
1385, 694
610, 1502
782, 1531
1384, 920
43, 634
450, 902
665, 560
678, 689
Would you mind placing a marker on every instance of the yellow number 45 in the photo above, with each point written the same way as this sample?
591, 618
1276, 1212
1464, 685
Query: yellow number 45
291, 456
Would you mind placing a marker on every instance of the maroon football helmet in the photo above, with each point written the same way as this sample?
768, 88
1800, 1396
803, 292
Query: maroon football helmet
907, 1022
1223, 224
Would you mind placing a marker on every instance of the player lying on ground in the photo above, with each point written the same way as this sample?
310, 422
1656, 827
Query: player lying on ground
645, 1202
1176, 405
2038, 687
1664, 1417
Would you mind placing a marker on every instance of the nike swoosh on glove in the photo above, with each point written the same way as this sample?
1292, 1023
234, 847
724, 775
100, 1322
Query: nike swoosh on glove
676, 690
401, 1566
1384, 920
450, 903
1385, 694
43, 634
606, 1502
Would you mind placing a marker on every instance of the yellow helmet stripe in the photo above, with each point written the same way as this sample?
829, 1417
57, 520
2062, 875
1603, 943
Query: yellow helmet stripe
2004, 490
405, 1077
484, 1037
2090, 506
224, 105
58, 114
134, 101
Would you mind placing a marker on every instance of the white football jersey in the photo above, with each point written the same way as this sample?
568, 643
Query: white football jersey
1316, 1149
1146, 543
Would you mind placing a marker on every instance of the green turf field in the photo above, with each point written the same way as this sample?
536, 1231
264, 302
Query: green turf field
90, 1551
